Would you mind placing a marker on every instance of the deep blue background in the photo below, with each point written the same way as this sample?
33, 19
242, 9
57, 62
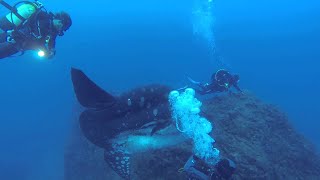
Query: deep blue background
272, 44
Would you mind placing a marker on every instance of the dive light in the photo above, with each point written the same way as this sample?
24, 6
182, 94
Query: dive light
41, 53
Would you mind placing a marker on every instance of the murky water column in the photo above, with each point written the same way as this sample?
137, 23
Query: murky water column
203, 20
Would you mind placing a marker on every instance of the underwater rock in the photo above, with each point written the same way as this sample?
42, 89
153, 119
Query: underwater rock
258, 137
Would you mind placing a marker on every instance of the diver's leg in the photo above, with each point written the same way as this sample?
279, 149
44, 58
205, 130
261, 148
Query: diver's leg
3, 36
7, 49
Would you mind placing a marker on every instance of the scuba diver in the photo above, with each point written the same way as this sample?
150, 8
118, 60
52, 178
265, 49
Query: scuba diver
197, 169
221, 81
28, 26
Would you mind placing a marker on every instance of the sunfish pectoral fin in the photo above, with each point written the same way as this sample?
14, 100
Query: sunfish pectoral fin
88, 93
155, 126
160, 125
118, 160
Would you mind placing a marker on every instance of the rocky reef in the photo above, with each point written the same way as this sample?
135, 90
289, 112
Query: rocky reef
258, 137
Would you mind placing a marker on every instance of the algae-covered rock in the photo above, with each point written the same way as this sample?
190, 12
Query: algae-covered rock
258, 137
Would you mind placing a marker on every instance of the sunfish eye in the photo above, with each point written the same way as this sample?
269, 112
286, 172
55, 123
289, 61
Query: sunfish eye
155, 112
129, 102
141, 102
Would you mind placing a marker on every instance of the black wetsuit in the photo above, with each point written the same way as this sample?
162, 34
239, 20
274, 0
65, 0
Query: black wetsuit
219, 83
38, 33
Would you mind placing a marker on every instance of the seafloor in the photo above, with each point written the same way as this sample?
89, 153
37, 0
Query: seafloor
257, 136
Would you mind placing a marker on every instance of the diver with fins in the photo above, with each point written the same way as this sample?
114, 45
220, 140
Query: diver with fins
221, 81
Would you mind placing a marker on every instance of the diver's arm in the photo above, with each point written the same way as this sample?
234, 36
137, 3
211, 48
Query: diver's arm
52, 42
49, 46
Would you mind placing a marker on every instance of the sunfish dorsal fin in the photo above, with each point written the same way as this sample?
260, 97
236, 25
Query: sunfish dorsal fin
88, 93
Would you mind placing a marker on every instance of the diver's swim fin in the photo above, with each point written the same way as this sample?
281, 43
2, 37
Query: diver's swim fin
88, 93
193, 81
182, 88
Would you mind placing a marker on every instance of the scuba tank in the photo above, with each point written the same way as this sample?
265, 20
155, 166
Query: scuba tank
21, 11
25, 10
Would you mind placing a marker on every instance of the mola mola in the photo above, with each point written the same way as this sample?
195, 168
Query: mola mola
136, 121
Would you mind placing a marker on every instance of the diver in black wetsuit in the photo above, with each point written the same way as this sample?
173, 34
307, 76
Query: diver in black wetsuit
30, 27
197, 169
221, 81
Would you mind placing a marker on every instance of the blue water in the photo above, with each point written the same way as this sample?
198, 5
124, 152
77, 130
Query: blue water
273, 45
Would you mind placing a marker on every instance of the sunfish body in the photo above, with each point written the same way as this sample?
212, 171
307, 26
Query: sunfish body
136, 121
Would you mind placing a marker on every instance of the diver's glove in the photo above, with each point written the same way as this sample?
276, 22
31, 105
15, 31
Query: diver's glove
50, 53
